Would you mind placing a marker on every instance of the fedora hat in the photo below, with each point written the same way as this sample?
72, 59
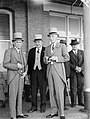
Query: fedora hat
74, 42
38, 37
63, 41
53, 30
17, 36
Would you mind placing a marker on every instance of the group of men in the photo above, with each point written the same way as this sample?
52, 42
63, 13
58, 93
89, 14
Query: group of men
44, 66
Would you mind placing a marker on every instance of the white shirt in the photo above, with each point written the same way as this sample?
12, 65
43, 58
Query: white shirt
37, 59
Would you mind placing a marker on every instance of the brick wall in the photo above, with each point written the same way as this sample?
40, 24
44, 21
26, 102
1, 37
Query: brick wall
29, 20
19, 20
38, 22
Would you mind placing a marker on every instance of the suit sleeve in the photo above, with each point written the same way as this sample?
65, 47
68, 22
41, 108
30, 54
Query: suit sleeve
82, 64
65, 56
29, 62
45, 58
7, 61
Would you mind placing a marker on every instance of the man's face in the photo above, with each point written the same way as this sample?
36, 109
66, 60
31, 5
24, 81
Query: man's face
38, 43
18, 44
53, 38
75, 47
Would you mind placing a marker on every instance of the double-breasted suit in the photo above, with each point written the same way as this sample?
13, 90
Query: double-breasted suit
76, 78
56, 76
15, 82
38, 78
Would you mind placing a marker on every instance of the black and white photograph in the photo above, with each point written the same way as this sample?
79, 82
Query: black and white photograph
44, 59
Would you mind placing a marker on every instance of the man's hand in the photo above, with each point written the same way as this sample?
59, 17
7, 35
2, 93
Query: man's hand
24, 74
53, 58
78, 69
20, 66
47, 59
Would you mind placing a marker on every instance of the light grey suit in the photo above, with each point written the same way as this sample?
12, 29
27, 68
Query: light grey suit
57, 77
11, 58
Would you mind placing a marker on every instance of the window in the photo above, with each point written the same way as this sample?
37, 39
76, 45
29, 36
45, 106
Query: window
5, 33
69, 27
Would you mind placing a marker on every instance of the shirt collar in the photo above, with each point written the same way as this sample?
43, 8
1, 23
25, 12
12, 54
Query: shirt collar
17, 50
55, 43
39, 48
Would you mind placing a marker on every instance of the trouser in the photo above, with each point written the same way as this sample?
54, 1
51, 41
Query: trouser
56, 88
76, 87
27, 90
38, 81
15, 96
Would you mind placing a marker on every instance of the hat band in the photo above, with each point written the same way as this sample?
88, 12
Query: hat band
52, 32
17, 39
37, 39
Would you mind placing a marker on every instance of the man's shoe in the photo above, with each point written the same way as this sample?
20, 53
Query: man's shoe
42, 110
51, 115
32, 110
66, 108
81, 104
22, 116
62, 117
73, 105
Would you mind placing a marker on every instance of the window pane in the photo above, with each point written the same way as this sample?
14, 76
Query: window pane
4, 27
59, 23
74, 29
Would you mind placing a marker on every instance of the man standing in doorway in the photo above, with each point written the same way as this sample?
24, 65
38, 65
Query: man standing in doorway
15, 63
37, 72
76, 73
55, 56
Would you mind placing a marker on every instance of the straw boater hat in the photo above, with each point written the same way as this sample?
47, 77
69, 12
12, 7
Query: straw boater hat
17, 36
38, 37
53, 30
74, 42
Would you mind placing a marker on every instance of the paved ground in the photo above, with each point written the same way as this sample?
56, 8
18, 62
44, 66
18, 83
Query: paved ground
72, 113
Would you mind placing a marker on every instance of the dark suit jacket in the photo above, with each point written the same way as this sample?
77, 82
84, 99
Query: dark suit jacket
67, 69
76, 61
31, 60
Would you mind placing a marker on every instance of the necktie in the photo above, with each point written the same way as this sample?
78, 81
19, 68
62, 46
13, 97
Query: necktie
52, 46
38, 50
38, 54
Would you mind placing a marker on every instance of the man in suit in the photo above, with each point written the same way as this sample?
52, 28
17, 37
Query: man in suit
55, 56
76, 73
15, 63
37, 72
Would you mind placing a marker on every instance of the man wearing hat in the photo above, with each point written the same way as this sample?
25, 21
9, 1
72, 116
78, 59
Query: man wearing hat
15, 63
55, 56
37, 72
76, 73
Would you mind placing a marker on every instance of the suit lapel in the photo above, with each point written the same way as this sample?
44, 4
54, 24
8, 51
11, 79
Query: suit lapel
49, 51
16, 55
74, 56
80, 57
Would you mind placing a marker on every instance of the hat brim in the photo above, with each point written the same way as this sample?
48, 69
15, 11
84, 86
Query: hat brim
52, 33
37, 40
17, 39
63, 42
74, 43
